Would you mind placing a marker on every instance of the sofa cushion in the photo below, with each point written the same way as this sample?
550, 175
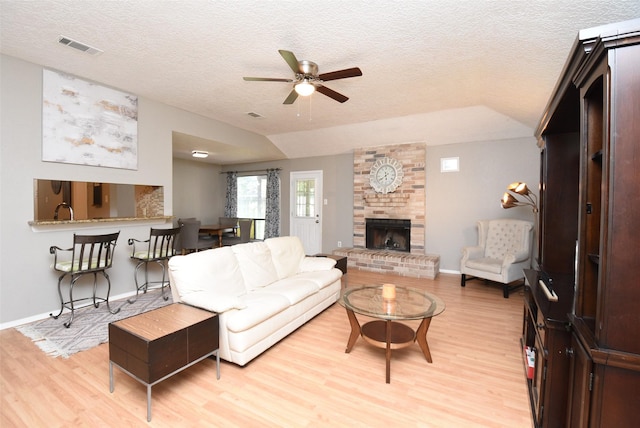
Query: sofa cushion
287, 253
213, 301
255, 262
486, 264
321, 278
260, 306
294, 289
215, 271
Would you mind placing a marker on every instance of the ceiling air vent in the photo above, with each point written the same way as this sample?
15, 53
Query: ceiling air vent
255, 115
79, 46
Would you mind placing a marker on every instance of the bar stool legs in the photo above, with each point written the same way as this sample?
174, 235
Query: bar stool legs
70, 304
145, 285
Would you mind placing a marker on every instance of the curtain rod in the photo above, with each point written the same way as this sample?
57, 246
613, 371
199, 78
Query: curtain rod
252, 171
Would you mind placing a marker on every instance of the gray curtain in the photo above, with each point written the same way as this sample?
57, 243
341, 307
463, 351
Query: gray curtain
231, 205
272, 214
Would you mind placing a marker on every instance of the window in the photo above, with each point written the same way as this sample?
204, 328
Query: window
305, 198
252, 201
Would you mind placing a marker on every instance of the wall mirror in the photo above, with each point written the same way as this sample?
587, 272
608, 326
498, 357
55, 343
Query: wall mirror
59, 200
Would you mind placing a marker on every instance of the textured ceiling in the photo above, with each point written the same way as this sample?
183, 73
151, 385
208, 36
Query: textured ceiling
434, 71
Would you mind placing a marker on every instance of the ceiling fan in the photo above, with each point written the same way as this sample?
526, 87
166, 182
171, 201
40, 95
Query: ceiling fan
307, 80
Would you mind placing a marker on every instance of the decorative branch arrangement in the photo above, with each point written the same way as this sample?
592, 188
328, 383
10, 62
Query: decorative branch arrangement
510, 200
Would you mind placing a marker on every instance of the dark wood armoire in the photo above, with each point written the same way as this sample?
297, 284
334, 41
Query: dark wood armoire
587, 343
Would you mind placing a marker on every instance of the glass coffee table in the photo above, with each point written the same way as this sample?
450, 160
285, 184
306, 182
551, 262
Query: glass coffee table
390, 304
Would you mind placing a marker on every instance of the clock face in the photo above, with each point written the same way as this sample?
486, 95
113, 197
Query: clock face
386, 175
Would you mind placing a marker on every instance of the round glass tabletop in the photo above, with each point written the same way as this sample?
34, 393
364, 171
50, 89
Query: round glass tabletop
406, 304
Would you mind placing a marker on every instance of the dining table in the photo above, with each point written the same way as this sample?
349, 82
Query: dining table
215, 229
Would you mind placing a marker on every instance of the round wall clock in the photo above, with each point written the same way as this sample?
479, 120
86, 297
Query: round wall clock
386, 175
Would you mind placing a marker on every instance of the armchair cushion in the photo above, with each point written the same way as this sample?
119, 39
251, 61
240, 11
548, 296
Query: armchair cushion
486, 263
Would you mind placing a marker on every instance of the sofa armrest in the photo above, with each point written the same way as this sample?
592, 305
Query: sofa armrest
213, 302
470, 253
511, 258
314, 264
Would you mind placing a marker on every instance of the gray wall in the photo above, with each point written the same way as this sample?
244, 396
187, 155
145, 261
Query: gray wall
28, 286
456, 200
337, 215
196, 191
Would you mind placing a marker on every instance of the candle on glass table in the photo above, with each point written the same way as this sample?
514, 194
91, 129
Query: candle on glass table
389, 306
388, 291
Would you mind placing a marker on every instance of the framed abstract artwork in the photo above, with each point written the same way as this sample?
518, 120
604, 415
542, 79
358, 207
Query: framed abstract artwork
88, 124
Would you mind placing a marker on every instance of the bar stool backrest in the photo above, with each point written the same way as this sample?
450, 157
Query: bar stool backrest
162, 243
90, 253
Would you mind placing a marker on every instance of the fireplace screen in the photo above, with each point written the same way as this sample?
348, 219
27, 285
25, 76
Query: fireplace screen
388, 234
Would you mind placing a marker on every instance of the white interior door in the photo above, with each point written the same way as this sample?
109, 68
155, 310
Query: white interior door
306, 209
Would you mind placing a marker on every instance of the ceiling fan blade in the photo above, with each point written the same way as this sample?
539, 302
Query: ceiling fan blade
292, 97
266, 79
341, 74
291, 60
331, 93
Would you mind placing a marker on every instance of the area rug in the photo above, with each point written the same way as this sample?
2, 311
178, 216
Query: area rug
90, 326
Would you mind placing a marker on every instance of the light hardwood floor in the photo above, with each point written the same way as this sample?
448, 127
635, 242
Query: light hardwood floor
307, 380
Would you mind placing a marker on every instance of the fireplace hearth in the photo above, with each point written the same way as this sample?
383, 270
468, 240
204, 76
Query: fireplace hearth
388, 234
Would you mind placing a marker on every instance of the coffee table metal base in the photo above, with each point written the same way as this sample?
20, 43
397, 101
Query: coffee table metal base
389, 335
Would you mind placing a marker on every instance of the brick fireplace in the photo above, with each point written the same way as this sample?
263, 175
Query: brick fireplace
388, 234
407, 202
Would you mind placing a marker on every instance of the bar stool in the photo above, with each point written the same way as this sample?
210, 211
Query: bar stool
90, 254
160, 246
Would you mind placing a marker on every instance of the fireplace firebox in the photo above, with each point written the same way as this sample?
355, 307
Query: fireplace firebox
388, 234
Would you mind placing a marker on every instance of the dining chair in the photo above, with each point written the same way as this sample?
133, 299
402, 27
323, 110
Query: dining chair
178, 223
191, 240
159, 248
231, 225
244, 235
90, 254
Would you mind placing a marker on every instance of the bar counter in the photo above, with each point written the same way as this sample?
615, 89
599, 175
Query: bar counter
48, 225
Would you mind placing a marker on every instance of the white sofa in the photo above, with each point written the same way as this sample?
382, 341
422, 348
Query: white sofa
262, 291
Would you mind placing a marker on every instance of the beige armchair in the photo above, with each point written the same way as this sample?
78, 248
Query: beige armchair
503, 251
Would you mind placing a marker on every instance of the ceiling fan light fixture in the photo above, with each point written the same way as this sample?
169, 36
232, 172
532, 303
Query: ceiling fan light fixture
305, 88
199, 154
